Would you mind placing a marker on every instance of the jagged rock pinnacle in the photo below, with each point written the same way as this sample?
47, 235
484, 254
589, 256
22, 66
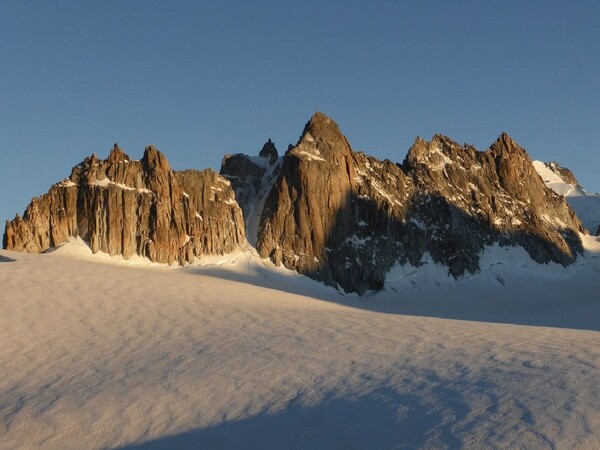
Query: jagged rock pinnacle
269, 151
154, 159
117, 154
506, 144
321, 127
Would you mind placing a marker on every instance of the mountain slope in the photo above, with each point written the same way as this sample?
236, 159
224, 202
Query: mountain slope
563, 182
234, 355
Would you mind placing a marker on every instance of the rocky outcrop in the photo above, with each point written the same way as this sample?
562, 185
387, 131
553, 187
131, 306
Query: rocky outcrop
309, 209
338, 216
470, 199
346, 218
269, 151
126, 207
251, 178
219, 223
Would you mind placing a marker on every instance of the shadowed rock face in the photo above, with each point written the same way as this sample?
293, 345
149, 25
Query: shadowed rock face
269, 151
346, 218
126, 207
493, 196
251, 178
309, 207
247, 174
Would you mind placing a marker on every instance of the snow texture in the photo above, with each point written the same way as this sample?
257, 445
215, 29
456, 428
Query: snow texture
98, 352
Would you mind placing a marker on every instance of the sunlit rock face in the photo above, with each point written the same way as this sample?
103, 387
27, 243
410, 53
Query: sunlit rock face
126, 207
346, 218
336, 215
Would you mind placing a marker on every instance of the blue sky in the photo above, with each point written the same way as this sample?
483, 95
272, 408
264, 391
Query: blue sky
201, 79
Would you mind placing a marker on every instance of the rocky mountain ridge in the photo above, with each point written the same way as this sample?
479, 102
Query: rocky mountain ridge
126, 207
336, 215
346, 218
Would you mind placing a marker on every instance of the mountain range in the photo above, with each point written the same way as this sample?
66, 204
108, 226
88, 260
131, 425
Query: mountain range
321, 209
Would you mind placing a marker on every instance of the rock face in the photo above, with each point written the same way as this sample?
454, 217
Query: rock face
269, 151
346, 218
472, 199
126, 207
333, 214
251, 178
309, 212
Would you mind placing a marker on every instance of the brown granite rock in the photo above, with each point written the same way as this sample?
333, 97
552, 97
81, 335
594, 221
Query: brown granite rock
491, 196
346, 218
218, 224
309, 201
125, 207
336, 215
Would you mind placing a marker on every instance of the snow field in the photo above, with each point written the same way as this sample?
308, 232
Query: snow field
235, 354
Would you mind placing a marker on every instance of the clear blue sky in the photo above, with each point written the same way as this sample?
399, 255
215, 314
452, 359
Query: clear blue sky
201, 79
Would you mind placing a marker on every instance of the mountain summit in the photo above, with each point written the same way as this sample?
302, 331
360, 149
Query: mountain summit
336, 215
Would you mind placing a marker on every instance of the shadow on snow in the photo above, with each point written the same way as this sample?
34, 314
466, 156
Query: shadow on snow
457, 246
383, 419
